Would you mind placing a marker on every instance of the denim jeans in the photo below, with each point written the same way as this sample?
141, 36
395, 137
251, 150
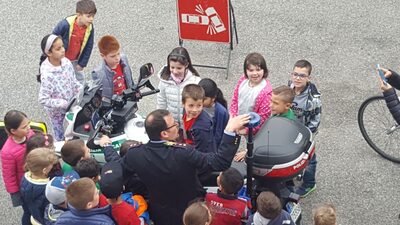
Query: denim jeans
309, 173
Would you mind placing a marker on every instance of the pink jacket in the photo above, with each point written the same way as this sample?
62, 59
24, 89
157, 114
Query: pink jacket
12, 163
262, 105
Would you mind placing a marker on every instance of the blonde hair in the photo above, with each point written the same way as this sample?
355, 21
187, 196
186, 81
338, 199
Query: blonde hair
197, 214
38, 159
325, 215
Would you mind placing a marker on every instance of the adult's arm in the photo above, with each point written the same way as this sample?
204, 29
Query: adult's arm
110, 155
394, 80
393, 103
221, 160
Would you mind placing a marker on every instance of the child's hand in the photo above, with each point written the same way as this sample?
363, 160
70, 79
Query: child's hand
104, 140
78, 68
240, 156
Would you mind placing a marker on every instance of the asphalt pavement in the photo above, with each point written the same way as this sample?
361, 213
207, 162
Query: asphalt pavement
342, 39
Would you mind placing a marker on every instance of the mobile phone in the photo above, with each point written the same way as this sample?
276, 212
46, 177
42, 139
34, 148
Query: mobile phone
381, 74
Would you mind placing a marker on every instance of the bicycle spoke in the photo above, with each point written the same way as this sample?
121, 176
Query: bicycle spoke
379, 128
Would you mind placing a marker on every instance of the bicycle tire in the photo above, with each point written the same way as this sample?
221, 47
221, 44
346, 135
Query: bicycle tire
379, 129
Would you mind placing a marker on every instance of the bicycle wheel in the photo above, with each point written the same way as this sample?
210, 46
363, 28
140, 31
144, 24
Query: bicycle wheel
379, 128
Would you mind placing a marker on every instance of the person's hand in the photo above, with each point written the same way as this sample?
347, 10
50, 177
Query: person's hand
240, 156
104, 140
243, 131
384, 86
78, 68
237, 123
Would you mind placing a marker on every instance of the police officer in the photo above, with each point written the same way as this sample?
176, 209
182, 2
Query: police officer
169, 170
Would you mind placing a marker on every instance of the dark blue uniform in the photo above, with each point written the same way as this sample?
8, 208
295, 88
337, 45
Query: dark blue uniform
169, 171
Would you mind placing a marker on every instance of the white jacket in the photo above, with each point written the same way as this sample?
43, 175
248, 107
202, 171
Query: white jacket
170, 95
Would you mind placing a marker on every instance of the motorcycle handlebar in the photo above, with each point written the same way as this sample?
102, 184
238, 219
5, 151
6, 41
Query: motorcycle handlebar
155, 91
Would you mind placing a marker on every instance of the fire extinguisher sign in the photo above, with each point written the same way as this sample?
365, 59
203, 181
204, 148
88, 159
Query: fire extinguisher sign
204, 20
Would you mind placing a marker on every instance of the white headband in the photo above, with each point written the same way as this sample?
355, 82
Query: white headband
50, 42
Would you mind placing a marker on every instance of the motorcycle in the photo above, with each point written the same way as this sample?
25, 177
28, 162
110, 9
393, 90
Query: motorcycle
282, 151
89, 114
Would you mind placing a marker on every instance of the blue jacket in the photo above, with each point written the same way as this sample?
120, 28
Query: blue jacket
202, 133
220, 119
103, 75
64, 29
33, 196
96, 216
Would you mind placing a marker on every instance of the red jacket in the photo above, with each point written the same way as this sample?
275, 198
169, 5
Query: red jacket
226, 209
12, 163
123, 213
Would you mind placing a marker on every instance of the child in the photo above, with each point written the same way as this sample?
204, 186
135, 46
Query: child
197, 214
216, 106
77, 34
55, 194
253, 90
307, 108
33, 184
269, 211
197, 124
281, 101
127, 145
325, 215
178, 73
111, 186
58, 83
46, 141
88, 167
72, 152
83, 198
114, 73
13, 152
226, 200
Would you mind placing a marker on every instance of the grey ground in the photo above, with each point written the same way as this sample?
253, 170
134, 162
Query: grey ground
342, 39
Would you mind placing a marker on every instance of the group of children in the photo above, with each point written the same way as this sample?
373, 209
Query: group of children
50, 191
64, 191
226, 208
269, 212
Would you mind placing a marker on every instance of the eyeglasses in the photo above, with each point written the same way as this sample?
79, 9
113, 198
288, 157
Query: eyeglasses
175, 124
299, 75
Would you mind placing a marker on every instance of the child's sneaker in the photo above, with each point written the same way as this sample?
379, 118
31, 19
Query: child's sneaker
304, 192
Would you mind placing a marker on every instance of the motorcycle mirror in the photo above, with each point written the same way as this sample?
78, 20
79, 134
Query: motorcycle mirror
145, 72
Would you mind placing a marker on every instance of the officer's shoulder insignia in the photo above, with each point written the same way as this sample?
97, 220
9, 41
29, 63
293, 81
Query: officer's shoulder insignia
174, 144
135, 144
